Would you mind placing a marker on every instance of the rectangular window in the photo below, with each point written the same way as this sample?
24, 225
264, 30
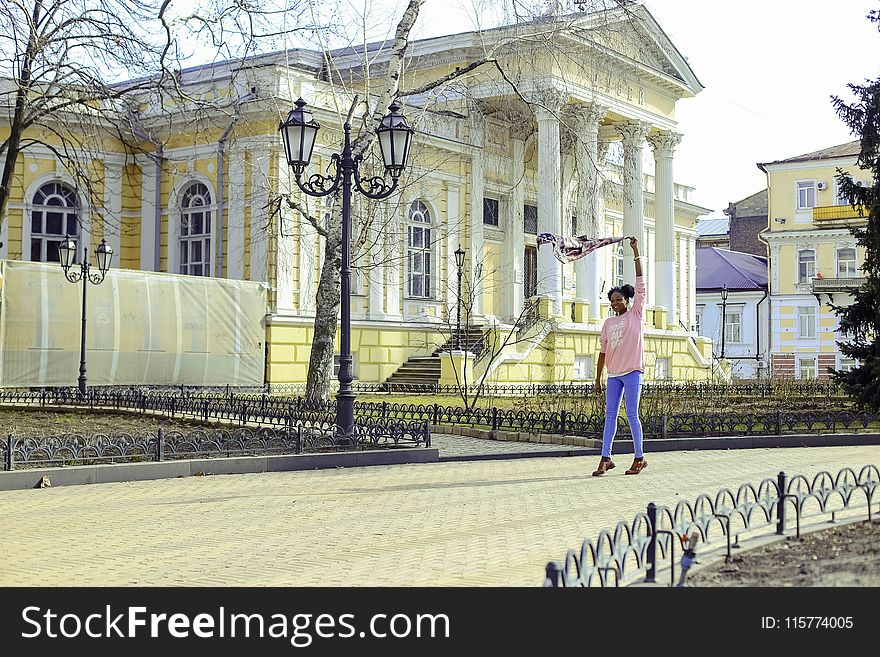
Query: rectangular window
574, 225
661, 369
583, 368
530, 279
807, 367
354, 365
806, 195
490, 211
806, 322
698, 322
530, 219
419, 261
733, 326
806, 265
846, 263
847, 364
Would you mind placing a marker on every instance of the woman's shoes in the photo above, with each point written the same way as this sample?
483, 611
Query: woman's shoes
604, 466
637, 466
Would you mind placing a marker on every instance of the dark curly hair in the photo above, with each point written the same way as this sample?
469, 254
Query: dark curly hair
628, 291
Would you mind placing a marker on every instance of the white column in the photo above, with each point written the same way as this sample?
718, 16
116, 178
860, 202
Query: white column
148, 215
395, 253
259, 216
549, 205
512, 212
475, 255
664, 144
284, 265
453, 239
113, 209
376, 276
590, 204
234, 256
633, 133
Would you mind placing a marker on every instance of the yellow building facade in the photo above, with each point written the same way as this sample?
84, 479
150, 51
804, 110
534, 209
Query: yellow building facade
577, 135
814, 259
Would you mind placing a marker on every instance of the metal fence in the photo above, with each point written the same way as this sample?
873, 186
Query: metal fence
163, 445
635, 549
267, 410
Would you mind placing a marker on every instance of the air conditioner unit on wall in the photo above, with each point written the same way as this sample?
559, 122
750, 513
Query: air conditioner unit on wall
821, 185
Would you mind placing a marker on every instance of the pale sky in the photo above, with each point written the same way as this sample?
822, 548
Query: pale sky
768, 67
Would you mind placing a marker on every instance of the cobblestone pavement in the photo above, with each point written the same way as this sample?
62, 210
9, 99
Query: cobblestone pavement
455, 446
471, 523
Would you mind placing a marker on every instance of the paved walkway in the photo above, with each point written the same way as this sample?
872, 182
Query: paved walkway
469, 523
453, 447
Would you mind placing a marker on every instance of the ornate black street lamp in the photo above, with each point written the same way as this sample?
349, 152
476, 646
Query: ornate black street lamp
723, 317
299, 132
459, 262
67, 254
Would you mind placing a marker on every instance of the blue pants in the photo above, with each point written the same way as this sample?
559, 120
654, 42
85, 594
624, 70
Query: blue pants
630, 388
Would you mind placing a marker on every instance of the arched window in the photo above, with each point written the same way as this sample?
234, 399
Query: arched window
54, 216
195, 231
419, 246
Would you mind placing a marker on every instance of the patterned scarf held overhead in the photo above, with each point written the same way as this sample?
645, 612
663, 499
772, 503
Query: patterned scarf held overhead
569, 249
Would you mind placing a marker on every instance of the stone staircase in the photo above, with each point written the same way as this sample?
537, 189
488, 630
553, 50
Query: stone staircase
423, 372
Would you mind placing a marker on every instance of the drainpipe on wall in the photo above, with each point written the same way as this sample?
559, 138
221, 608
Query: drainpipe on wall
758, 326
769, 308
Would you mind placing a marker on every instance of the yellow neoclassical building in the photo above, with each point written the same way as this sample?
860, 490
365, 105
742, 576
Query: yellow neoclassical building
573, 130
814, 258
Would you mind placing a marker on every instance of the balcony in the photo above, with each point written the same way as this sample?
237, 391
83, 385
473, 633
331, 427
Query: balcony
838, 215
829, 285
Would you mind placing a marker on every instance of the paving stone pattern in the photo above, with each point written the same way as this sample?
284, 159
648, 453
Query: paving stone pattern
471, 523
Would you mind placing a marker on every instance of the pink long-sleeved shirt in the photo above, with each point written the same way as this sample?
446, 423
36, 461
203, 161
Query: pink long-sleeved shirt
621, 338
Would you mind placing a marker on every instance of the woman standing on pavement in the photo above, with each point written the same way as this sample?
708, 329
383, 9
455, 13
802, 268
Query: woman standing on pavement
622, 351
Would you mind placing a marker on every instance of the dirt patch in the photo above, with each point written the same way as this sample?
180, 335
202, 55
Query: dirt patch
38, 422
848, 555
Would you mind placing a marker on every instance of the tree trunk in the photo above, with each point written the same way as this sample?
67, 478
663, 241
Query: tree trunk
327, 306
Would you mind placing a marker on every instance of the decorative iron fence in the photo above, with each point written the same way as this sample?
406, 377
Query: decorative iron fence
81, 449
635, 549
267, 410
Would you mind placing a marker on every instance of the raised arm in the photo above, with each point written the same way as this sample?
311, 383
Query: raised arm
634, 245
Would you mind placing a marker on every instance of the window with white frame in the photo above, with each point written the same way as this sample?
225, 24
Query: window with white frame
354, 365
583, 368
806, 322
840, 197
846, 263
807, 368
806, 265
806, 194
733, 326
54, 216
418, 257
574, 225
617, 265
698, 321
195, 230
661, 368
847, 364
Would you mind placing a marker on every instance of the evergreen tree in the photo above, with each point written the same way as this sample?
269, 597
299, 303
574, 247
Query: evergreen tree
860, 321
